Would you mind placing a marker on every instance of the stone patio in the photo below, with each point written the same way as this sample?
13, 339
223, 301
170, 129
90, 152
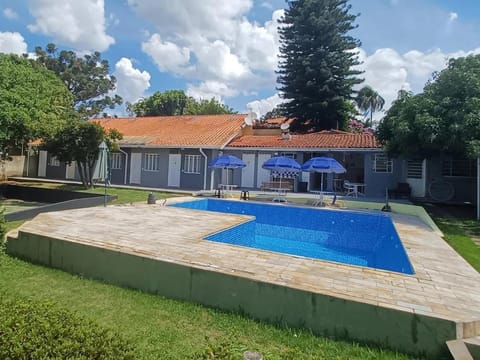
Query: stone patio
444, 286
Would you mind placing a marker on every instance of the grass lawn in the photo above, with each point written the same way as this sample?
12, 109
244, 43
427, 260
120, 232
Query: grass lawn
161, 328
459, 233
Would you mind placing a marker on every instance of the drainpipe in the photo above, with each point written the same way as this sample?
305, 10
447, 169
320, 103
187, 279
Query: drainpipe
126, 164
205, 169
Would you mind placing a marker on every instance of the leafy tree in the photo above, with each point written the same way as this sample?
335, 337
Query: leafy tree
445, 118
317, 56
369, 100
276, 112
34, 103
176, 102
206, 107
171, 102
79, 141
87, 78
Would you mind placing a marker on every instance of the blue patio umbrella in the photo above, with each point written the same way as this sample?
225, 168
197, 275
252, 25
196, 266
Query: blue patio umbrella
227, 162
281, 165
323, 165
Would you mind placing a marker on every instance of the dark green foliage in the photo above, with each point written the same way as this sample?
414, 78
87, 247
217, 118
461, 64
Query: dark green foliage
176, 102
276, 112
79, 141
87, 78
206, 107
317, 56
444, 119
33, 102
39, 330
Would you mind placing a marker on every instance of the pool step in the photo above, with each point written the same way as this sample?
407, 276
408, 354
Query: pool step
459, 350
465, 349
473, 345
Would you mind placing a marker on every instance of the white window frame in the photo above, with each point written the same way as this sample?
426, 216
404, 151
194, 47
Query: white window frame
152, 162
53, 161
191, 165
451, 167
382, 164
116, 161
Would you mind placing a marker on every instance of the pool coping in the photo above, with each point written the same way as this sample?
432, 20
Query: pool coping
443, 286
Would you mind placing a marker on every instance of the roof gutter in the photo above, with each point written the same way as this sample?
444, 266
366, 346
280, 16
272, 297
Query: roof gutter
314, 149
205, 168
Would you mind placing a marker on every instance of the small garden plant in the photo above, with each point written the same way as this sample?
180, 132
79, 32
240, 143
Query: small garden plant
31, 329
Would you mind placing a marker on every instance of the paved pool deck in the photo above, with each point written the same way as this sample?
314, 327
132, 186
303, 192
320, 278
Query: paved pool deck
444, 285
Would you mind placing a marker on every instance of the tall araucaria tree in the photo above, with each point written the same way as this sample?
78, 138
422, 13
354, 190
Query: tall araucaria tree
316, 71
87, 78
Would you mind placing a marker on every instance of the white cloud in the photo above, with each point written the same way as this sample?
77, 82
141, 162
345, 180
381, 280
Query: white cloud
12, 43
387, 71
131, 82
167, 55
80, 24
188, 17
211, 42
452, 16
10, 13
261, 107
210, 89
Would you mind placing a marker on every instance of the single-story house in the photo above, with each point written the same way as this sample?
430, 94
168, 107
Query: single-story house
173, 152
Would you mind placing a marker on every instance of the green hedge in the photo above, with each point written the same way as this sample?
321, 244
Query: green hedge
40, 330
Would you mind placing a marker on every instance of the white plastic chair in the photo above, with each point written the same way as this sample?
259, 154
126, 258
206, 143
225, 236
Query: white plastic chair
349, 188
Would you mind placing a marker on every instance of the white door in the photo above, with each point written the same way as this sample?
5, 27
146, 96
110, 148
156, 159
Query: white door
262, 174
174, 167
70, 171
135, 168
416, 176
248, 172
42, 163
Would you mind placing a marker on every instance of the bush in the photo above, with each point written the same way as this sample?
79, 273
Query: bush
40, 330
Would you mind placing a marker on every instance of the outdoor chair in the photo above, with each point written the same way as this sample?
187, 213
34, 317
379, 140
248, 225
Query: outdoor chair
349, 188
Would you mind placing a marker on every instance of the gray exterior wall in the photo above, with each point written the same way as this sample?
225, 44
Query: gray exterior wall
55, 172
378, 182
465, 188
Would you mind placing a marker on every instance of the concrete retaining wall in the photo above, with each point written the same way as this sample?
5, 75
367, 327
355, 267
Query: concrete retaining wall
324, 315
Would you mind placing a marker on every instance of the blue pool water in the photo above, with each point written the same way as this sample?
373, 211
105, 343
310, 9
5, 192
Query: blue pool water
347, 237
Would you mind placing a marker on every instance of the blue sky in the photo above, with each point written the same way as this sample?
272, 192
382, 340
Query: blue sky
228, 48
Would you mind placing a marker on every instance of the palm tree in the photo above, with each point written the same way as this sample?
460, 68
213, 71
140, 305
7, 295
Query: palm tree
369, 100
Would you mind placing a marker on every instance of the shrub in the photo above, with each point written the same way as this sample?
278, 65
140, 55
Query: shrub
39, 330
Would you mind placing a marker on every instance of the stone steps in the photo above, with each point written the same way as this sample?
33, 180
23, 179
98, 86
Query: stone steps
465, 349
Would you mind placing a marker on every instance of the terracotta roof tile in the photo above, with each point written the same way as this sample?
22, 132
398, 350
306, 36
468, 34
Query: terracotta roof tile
333, 139
185, 130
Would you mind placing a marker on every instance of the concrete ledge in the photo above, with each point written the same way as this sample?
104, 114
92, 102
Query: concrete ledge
281, 305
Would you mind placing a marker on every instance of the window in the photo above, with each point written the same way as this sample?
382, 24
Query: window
289, 155
382, 164
116, 161
54, 161
151, 162
459, 167
191, 164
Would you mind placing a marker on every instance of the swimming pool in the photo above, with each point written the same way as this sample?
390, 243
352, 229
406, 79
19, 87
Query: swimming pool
352, 238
